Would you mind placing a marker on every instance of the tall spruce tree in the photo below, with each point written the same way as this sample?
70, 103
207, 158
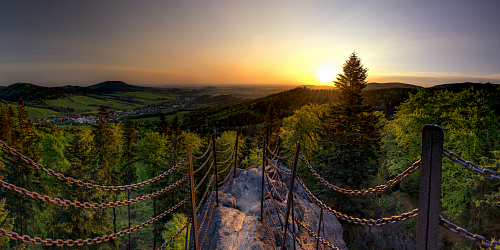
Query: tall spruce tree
75, 223
350, 136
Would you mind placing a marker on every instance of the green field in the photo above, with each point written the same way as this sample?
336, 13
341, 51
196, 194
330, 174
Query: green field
34, 112
145, 97
68, 103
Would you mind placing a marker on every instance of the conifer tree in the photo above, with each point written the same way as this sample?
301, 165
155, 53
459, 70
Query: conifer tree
164, 125
16, 171
350, 136
129, 156
74, 223
272, 122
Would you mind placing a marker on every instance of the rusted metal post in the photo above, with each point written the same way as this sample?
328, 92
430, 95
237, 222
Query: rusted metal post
263, 173
193, 198
290, 194
430, 187
319, 227
187, 230
235, 155
216, 174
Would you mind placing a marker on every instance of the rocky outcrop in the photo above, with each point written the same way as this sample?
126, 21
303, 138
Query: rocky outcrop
236, 224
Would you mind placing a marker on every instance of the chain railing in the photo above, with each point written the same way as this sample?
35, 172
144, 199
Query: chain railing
378, 189
471, 166
268, 184
77, 204
80, 183
81, 242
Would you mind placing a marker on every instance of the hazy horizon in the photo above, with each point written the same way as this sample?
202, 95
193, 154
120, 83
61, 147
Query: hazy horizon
160, 43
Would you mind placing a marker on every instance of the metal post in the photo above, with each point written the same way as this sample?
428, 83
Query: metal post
290, 193
430, 187
235, 155
319, 227
193, 198
262, 186
216, 174
187, 231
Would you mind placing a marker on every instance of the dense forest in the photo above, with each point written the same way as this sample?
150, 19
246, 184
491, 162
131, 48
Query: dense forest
354, 139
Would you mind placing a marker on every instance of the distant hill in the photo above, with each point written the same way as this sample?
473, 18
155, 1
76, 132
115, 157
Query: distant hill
34, 93
110, 87
30, 92
248, 114
467, 85
374, 85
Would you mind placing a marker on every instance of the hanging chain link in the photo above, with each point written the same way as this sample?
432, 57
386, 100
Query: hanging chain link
205, 194
277, 156
477, 239
225, 144
350, 219
81, 242
378, 189
173, 237
205, 163
486, 173
80, 183
316, 236
205, 176
208, 149
78, 204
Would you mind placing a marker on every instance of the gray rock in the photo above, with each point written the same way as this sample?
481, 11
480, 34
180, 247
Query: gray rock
236, 224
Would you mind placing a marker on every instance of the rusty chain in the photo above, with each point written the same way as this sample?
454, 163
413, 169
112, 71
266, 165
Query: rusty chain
208, 149
477, 239
269, 233
228, 158
228, 165
81, 242
173, 237
208, 225
206, 211
486, 173
230, 177
378, 189
80, 183
350, 219
205, 194
203, 179
316, 236
277, 156
225, 144
87, 205
221, 152
295, 238
205, 163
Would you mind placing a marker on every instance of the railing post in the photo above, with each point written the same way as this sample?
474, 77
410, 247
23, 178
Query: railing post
319, 227
290, 193
216, 174
430, 187
187, 229
263, 173
235, 155
193, 198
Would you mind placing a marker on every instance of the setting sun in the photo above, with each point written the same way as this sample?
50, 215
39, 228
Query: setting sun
326, 73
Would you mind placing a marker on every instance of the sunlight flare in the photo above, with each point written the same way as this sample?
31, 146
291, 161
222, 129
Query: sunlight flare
326, 73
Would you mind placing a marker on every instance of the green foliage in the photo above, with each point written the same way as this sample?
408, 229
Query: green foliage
303, 127
254, 158
171, 228
471, 130
350, 137
248, 114
5, 223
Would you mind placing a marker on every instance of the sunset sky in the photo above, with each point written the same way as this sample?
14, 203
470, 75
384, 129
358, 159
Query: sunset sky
55, 43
